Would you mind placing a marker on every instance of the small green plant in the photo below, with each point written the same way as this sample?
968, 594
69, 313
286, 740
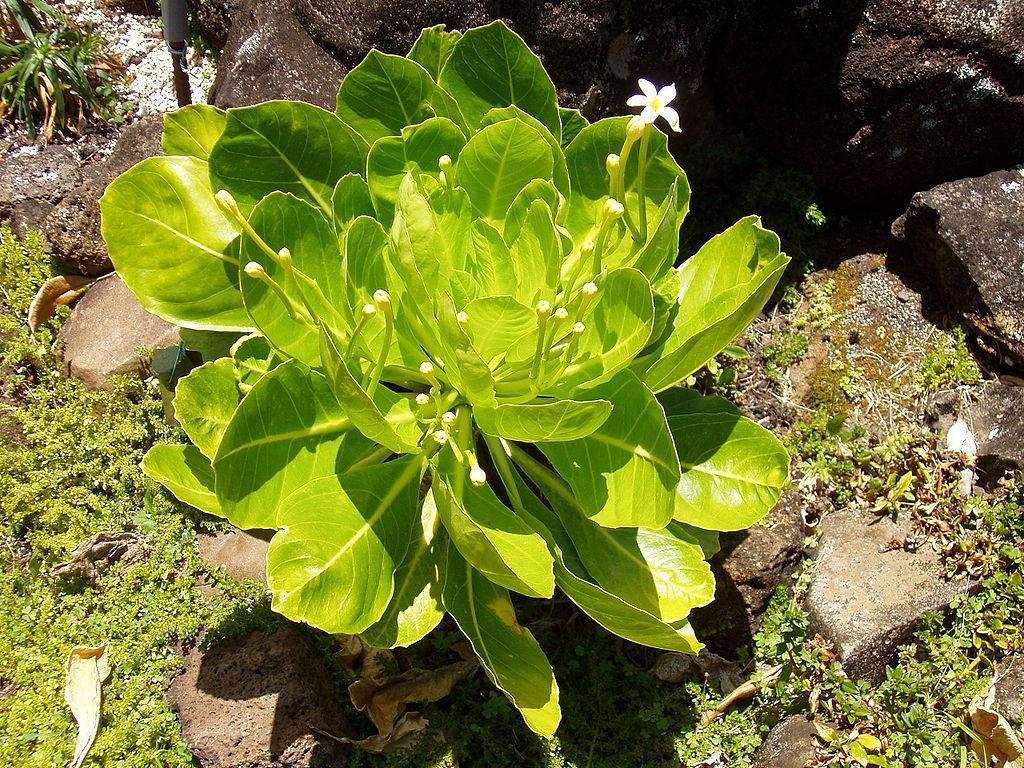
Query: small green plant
788, 348
54, 76
949, 363
459, 334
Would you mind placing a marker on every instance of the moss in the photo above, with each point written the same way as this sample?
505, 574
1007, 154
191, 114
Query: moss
826, 389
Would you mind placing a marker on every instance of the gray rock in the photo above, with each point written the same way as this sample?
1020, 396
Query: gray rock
242, 554
880, 98
790, 744
997, 420
967, 237
260, 701
39, 175
72, 228
867, 593
1009, 685
213, 19
106, 332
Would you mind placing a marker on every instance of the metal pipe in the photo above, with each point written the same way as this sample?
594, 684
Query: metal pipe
175, 18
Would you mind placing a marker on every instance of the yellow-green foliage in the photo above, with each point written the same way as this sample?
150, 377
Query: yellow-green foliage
948, 364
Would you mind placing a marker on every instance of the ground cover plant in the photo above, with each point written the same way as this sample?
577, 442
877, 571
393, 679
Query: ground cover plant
54, 76
455, 331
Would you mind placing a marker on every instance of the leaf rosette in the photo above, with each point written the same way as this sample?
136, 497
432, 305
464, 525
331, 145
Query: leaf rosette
459, 338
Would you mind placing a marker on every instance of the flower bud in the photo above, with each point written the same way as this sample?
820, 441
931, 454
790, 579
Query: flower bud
477, 476
422, 399
440, 436
589, 290
427, 368
369, 310
561, 314
543, 308
613, 209
284, 257
226, 202
381, 298
254, 269
578, 328
612, 164
588, 247
448, 418
635, 128
462, 317
444, 162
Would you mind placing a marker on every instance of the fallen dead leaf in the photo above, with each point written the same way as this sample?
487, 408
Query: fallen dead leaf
407, 731
1000, 746
742, 692
55, 292
87, 669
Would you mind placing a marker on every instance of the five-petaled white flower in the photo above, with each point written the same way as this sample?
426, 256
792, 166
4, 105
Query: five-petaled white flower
655, 103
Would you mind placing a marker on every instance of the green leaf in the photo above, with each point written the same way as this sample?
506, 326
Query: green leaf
333, 563
211, 345
193, 130
433, 47
538, 189
656, 257
559, 170
254, 358
733, 469
559, 420
186, 473
490, 535
284, 221
723, 287
288, 432
415, 608
496, 323
285, 146
572, 123
617, 328
488, 271
416, 151
387, 418
498, 162
417, 246
491, 66
625, 473
170, 244
508, 652
537, 256
350, 200
383, 94
465, 367
204, 402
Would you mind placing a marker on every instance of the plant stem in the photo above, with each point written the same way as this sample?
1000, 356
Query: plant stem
641, 180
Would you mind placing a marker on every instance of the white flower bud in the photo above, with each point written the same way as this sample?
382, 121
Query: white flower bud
381, 298
578, 328
444, 162
427, 368
227, 203
448, 418
588, 247
254, 269
440, 437
589, 290
422, 399
543, 308
635, 128
462, 317
612, 164
561, 314
369, 310
477, 476
613, 209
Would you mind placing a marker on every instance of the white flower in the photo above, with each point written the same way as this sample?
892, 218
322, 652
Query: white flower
655, 103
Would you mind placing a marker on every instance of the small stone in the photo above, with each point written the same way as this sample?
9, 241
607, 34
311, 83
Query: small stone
30, 173
260, 701
790, 744
867, 593
1009, 685
242, 554
106, 331
675, 667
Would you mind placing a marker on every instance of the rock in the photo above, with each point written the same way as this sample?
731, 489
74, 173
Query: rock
41, 176
242, 554
675, 667
867, 592
967, 237
212, 19
748, 568
95, 554
29, 214
1009, 685
106, 331
72, 228
880, 98
260, 701
790, 744
999, 430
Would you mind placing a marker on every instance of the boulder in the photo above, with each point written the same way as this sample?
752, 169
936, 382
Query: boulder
107, 331
868, 591
30, 176
790, 744
995, 419
212, 20
72, 228
967, 237
260, 701
748, 568
1009, 685
880, 98
242, 554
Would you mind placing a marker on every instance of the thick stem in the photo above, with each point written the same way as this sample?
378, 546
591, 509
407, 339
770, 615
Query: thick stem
641, 180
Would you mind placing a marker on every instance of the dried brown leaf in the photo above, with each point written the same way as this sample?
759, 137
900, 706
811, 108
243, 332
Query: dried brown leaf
55, 292
406, 732
1000, 746
87, 669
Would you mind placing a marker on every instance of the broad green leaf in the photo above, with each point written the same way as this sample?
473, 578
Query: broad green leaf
586, 157
204, 402
572, 123
416, 151
170, 244
508, 652
491, 66
284, 221
559, 170
433, 47
656, 257
288, 432
488, 271
610, 611
723, 287
490, 535
211, 345
387, 418
186, 473
383, 94
254, 358
193, 130
733, 469
537, 256
333, 563
556, 421
496, 323
350, 200
625, 473
464, 366
417, 246
285, 146
538, 189
415, 608
617, 328
498, 161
